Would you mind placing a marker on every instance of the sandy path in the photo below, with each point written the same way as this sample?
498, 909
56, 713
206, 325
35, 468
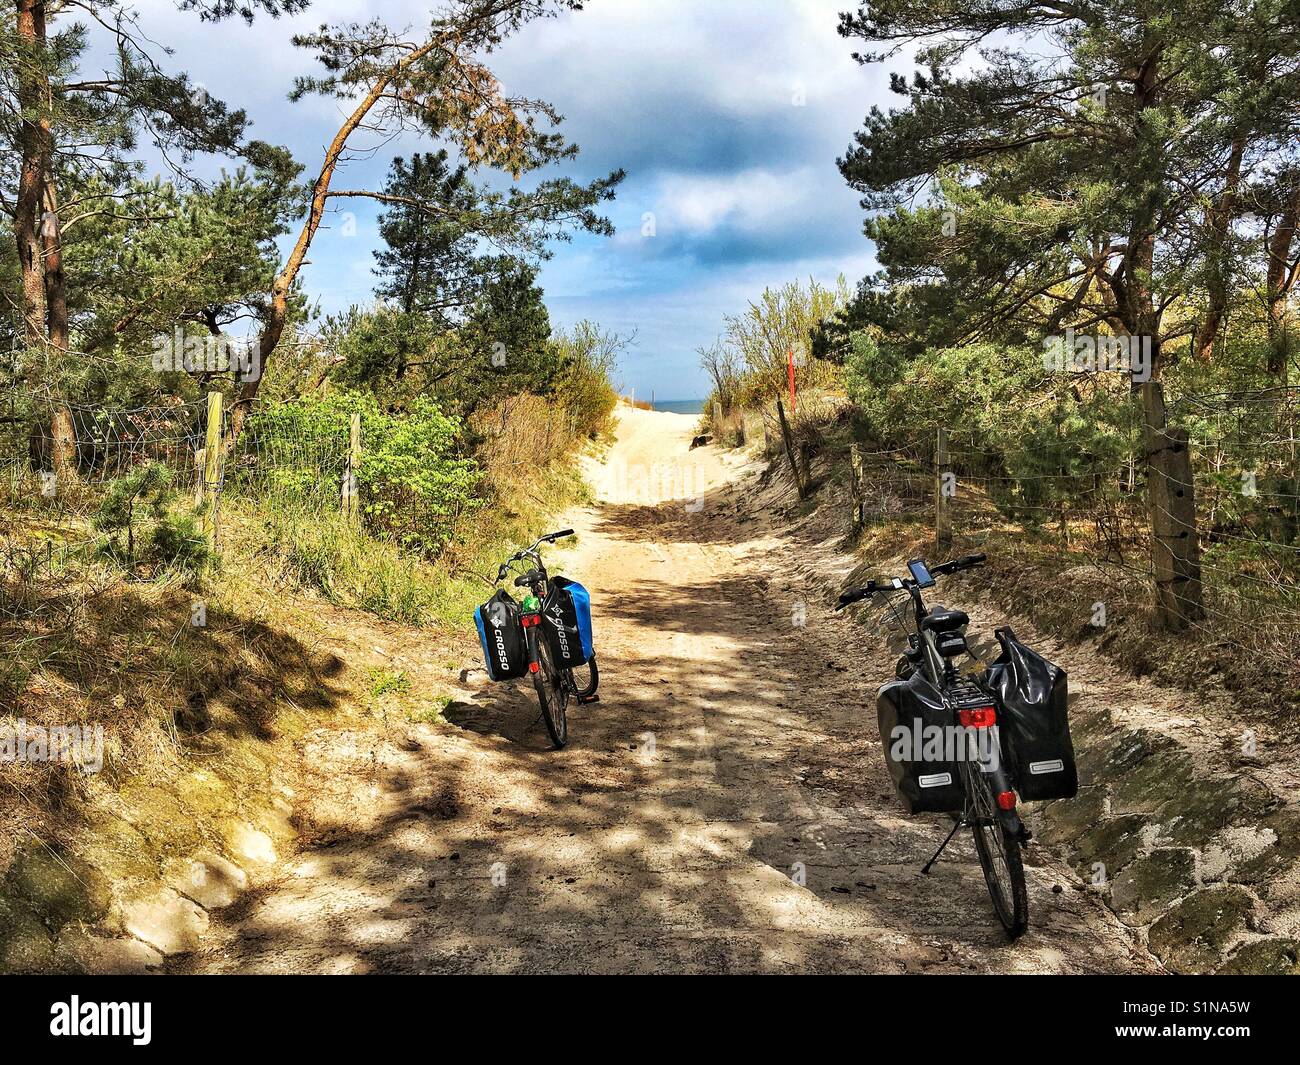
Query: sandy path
723, 808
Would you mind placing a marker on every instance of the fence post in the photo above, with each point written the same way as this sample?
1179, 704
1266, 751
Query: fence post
212, 466
1171, 498
789, 451
350, 502
942, 497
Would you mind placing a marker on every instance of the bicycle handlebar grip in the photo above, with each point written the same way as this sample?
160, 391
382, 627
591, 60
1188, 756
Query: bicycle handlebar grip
851, 597
501, 573
559, 535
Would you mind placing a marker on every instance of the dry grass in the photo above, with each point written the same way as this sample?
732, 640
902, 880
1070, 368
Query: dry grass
85, 647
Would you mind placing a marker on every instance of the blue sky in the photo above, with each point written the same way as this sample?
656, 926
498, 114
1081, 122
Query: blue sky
727, 115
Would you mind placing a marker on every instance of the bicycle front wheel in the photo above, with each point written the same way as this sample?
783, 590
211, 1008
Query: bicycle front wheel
553, 694
999, 853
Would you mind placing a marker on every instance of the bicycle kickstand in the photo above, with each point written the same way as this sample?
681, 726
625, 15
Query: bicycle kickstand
925, 869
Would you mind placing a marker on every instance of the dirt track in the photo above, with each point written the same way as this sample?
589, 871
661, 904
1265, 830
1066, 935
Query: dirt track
723, 808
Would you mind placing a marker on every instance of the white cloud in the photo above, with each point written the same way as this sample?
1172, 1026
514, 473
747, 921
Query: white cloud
748, 202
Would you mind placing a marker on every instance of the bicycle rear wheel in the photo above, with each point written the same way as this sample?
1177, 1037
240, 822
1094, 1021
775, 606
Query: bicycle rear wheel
553, 694
593, 679
999, 853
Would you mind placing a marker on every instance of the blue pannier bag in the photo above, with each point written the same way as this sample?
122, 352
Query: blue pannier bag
567, 611
505, 648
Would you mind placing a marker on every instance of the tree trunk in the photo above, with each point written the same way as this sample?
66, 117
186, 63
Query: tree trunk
56, 301
36, 231
1280, 279
1171, 498
33, 145
1218, 221
278, 312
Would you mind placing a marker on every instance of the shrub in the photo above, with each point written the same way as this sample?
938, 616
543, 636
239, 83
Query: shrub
135, 514
413, 482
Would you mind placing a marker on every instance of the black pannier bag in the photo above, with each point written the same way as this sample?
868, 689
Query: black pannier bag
566, 620
1033, 720
909, 712
505, 649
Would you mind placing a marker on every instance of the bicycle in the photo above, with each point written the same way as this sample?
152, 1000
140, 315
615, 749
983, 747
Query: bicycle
988, 801
555, 684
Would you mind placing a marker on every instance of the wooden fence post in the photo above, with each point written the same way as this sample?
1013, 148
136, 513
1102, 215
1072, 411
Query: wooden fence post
942, 496
351, 505
1171, 498
789, 451
212, 466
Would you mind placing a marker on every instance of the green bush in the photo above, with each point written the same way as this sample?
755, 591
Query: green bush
135, 513
1042, 441
413, 481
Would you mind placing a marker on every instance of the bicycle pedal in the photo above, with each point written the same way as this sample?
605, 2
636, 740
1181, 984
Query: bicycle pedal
584, 699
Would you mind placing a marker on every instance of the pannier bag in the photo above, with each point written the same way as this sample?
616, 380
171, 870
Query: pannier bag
1033, 720
915, 732
505, 649
567, 622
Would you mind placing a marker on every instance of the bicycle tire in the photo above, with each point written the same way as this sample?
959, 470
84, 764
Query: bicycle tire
1005, 880
590, 689
553, 694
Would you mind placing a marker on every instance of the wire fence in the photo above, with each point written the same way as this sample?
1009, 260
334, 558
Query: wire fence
1096, 510
57, 469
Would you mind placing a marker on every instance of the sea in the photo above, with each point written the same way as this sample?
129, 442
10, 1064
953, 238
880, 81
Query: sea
680, 406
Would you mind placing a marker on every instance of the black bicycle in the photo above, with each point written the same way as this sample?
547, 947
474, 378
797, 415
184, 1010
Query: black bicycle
545, 605
935, 638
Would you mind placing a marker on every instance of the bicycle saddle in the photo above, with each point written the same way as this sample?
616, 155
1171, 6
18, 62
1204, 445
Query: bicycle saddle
941, 619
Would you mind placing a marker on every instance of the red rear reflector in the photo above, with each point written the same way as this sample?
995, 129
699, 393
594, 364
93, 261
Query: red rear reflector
530, 619
1006, 800
533, 667
979, 717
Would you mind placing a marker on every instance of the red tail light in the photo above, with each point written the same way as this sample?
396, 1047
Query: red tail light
978, 717
1006, 800
530, 619
533, 667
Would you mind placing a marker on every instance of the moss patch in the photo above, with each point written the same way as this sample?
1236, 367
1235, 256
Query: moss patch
1265, 957
1148, 885
58, 887
1114, 843
26, 945
1193, 936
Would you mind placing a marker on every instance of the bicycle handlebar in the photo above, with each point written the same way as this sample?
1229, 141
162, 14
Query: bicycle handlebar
898, 584
531, 552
